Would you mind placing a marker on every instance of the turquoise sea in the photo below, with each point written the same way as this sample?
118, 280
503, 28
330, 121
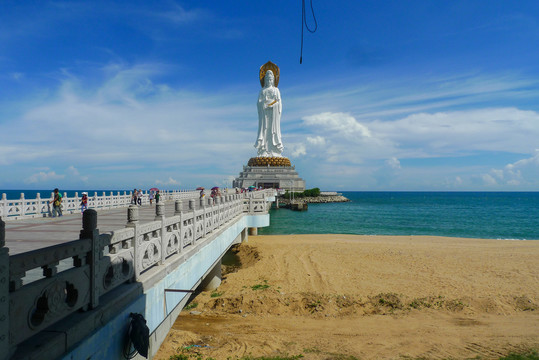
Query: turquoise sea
489, 215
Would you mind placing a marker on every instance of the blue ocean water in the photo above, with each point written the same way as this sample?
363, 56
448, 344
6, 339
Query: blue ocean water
488, 215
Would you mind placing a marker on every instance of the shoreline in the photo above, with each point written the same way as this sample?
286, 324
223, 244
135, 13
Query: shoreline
368, 296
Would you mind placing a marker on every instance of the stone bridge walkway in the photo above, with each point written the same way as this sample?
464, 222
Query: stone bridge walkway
30, 234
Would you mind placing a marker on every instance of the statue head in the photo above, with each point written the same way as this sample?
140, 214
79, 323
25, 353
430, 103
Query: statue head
269, 79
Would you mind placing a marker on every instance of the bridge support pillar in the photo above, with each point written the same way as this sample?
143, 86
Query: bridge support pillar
253, 231
213, 279
244, 236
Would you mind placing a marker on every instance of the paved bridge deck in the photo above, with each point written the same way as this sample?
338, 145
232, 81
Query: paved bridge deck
30, 234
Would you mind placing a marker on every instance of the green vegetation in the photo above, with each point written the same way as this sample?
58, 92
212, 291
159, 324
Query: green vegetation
390, 300
307, 193
278, 357
263, 286
191, 305
197, 356
216, 294
529, 355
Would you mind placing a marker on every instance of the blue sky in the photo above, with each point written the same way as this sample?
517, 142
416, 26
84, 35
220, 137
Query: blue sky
391, 95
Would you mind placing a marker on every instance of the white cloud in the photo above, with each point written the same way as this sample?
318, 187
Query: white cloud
72, 172
179, 15
523, 172
489, 180
127, 122
42, 177
298, 150
170, 181
316, 140
342, 123
443, 133
393, 163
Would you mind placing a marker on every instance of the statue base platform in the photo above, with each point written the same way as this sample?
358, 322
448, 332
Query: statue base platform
270, 172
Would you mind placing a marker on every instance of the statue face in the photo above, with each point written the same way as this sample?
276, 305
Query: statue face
269, 79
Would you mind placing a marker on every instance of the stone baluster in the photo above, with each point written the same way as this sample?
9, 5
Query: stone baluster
160, 216
90, 231
4, 291
23, 205
178, 207
178, 212
219, 206
133, 221
77, 201
3, 205
203, 202
38, 205
192, 207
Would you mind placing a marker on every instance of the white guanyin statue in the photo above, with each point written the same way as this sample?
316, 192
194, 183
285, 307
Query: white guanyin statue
268, 142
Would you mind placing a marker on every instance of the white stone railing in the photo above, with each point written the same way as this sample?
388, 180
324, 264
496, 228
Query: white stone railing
102, 262
23, 208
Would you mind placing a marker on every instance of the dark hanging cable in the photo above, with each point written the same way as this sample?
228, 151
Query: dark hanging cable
304, 23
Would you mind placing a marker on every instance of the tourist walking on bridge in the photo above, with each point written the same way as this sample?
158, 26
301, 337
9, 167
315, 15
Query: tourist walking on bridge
84, 202
56, 203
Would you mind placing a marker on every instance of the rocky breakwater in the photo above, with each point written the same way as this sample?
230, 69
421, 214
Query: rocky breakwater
315, 199
326, 199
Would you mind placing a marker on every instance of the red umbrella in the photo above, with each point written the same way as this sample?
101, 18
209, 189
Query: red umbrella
215, 188
200, 188
154, 189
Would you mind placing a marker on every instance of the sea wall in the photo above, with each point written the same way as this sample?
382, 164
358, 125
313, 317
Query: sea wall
317, 199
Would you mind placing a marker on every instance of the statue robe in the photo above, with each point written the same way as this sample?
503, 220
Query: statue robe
268, 142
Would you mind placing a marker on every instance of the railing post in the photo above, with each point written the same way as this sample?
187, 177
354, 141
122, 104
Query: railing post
133, 221
3, 205
38, 204
219, 202
203, 203
160, 216
4, 292
177, 207
23, 205
178, 212
192, 207
90, 231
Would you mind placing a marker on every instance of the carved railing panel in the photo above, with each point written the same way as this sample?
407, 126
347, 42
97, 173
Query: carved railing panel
148, 246
43, 302
199, 224
187, 231
116, 265
173, 236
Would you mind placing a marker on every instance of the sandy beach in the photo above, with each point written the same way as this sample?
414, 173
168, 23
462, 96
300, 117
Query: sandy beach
367, 297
